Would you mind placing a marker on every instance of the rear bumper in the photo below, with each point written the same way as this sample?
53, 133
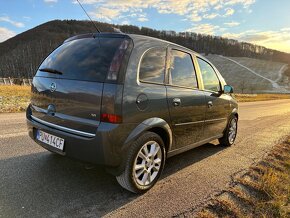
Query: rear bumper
104, 148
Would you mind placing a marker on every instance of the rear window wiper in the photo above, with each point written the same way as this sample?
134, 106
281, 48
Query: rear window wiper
49, 70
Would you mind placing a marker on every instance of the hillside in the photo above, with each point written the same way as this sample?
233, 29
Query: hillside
21, 55
249, 75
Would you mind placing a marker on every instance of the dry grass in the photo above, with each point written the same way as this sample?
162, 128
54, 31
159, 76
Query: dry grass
260, 97
267, 194
14, 98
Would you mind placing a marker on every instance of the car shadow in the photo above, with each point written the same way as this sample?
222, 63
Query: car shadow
48, 185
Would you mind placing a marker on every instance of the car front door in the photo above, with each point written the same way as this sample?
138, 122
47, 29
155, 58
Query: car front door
186, 102
217, 103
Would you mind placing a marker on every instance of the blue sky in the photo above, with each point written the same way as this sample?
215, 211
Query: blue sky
263, 22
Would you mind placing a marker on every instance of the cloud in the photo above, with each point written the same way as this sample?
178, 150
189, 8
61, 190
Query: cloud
210, 16
106, 14
192, 10
279, 40
229, 12
14, 23
125, 22
50, 1
232, 24
245, 3
142, 19
5, 34
206, 28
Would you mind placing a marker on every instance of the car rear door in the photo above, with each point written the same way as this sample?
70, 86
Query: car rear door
68, 86
217, 109
186, 102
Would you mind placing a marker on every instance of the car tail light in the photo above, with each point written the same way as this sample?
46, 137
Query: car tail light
117, 60
111, 118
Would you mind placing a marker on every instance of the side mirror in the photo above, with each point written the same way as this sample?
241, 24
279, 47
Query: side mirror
228, 89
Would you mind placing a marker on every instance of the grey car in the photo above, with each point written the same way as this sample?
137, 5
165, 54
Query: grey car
128, 102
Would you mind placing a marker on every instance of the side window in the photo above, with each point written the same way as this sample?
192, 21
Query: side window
182, 72
152, 66
210, 79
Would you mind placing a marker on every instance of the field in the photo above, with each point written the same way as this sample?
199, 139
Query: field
14, 98
260, 97
260, 77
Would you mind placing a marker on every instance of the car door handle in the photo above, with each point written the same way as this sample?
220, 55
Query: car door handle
176, 102
210, 104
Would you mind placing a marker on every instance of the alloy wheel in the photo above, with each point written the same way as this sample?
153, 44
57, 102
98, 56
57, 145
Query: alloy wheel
147, 164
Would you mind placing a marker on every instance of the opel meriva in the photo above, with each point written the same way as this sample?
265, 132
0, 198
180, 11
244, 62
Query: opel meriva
128, 102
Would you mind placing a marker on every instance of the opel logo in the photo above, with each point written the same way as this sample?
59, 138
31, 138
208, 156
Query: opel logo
52, 87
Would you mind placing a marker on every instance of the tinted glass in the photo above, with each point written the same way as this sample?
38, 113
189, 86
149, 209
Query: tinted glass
210, 79
152, 65
82, 59
182, 69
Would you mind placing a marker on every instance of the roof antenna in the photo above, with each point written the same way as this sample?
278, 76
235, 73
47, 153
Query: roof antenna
89, 17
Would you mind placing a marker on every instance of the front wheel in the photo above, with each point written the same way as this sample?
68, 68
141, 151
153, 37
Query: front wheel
230, 132
144, 164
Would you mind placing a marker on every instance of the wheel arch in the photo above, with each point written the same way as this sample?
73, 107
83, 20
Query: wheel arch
156, 125
235, 113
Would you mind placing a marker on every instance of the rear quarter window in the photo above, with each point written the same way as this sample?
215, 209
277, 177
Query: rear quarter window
152, 66
82, 59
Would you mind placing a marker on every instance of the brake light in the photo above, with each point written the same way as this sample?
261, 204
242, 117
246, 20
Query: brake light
117, 60
111, 118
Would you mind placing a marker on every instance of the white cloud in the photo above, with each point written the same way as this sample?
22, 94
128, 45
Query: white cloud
50, 1
206, 28
106, 14
5, 34
192, 10
210, 16
232, 24
229, 12
279, 40
245, 3
125, 22
8, 20
142, 19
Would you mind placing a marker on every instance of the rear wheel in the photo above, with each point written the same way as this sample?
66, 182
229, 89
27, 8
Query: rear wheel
230, 133
144, 164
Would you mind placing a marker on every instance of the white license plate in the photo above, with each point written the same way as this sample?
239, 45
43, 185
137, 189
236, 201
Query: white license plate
49, 139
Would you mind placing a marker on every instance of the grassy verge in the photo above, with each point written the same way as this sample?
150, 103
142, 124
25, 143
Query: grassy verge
14, 98
260, 97
264, 191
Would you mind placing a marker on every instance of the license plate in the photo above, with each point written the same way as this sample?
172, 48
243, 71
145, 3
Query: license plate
49, 139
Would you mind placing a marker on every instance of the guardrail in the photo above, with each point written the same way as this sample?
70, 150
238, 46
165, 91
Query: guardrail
16, 81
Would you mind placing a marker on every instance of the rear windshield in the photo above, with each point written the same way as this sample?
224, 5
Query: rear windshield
82, 59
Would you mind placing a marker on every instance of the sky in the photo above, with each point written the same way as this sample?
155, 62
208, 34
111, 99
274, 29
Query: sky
262, 22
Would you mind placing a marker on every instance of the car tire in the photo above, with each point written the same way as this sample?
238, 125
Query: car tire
230, 132
144, 163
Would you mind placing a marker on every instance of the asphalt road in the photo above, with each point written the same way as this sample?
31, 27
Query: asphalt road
36, 183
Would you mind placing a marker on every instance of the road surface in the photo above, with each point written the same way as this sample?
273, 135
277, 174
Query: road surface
36, 183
